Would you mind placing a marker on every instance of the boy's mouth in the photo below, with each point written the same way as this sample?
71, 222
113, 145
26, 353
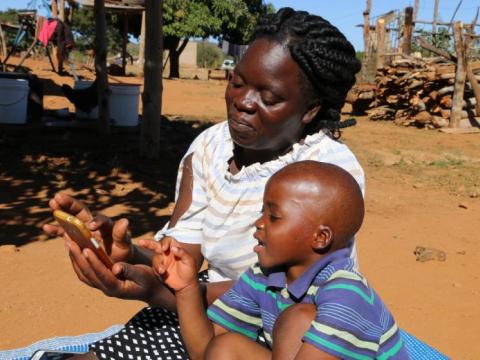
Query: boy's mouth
259, 247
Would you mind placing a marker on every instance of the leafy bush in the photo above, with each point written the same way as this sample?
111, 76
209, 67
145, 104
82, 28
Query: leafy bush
209, 55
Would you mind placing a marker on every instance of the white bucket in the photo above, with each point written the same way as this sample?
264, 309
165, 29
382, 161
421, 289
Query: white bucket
79, 114
13, 101
124, 104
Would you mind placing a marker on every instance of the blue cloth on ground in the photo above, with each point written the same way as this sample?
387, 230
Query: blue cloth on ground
417, 349
68, 343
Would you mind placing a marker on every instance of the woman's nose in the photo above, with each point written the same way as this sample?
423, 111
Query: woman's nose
246, 101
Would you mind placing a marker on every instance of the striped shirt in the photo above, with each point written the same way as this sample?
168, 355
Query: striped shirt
225, 206
351, 321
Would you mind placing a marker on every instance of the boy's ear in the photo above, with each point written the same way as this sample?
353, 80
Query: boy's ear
311, 112
323, 238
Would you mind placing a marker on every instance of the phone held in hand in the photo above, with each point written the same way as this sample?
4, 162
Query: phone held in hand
79, 233
53, 355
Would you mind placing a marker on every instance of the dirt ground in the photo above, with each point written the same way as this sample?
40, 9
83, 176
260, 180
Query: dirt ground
423, 189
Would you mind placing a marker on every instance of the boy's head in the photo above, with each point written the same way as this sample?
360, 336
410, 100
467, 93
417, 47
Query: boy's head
309, 209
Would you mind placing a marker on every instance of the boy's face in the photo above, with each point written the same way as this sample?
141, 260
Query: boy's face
286, 230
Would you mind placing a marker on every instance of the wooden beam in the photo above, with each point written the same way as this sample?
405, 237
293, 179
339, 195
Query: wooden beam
407, 32
141, 50
54, 9
460, 76
101, 67
426, 45
124, 43
152, 94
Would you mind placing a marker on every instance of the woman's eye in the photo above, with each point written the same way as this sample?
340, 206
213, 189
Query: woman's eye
273, 218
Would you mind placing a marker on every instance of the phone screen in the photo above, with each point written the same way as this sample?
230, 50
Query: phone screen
53, 355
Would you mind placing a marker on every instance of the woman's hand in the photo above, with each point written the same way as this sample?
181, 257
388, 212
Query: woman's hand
114, 235
124, 281
172, 263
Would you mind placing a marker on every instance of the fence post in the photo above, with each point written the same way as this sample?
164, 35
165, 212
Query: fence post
460, 75
407, 31
380, 35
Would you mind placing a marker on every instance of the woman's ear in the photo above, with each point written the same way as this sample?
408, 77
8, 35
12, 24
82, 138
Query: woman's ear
323, 238
312, 111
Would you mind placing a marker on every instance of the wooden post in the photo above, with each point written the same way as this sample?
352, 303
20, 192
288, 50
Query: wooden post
407, 31
54, 9
62, 10
3, 43
152, 93
141, 50
470, 75
101, 67
366, 39
124, 43
380, 32
415, 10
435, 18
460, 75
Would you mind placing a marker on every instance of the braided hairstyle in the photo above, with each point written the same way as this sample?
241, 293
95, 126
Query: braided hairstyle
327, 59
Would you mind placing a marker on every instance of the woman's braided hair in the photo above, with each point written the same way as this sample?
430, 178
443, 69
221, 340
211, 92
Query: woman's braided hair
327, 58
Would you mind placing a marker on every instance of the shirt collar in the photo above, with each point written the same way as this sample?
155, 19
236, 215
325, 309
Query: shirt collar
300, 286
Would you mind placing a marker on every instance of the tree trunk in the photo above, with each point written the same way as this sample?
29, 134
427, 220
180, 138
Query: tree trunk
152, 93
101, 67
407, 32
380, 31
54, 9
174, 53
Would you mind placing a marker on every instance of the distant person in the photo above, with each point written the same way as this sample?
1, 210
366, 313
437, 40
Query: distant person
304, 293
283, 104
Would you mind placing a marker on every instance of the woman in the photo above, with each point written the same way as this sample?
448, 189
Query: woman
283, 104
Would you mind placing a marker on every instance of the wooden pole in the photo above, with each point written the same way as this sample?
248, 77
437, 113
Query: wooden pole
460, 75
62, 10
54, 9
141, 50
380, 35
3, 43
435, 17
366, 39
415, 10
152, 94
470, 75
407, 31
101, 66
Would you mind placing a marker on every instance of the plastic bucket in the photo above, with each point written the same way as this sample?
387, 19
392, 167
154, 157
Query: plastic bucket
124, 104
13, 101
124, 101
79, 114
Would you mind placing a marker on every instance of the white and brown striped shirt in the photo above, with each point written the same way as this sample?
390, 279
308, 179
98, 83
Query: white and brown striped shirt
225, 206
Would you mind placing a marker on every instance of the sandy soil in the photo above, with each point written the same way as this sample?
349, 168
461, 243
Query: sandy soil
422, 190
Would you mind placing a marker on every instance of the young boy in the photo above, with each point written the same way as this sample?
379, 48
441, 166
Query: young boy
304, 294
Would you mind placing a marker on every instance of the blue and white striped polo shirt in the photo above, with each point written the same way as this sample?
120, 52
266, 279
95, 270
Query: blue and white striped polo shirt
225, 206
351, 321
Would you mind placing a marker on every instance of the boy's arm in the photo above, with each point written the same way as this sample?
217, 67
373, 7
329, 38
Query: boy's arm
197, 330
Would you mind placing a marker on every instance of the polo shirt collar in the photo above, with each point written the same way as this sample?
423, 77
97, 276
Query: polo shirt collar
300, 286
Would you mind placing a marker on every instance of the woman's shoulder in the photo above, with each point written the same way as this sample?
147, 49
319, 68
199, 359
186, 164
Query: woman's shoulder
215, 134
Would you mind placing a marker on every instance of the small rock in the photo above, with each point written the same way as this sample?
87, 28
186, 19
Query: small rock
474, 195
462, 252
8, 249
463, 206
417, 186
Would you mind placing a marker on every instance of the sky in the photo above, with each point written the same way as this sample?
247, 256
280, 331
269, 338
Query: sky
346, 14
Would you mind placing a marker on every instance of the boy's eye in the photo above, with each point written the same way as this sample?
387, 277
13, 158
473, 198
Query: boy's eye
273, 217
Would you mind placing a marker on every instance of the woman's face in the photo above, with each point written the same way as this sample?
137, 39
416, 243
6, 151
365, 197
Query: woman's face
266, 108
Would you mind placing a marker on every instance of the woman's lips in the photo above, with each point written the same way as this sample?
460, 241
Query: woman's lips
241, 125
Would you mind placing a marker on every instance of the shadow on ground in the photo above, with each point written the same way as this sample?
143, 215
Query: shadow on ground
104, 172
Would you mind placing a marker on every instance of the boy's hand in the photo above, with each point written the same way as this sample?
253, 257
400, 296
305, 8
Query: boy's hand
172, 263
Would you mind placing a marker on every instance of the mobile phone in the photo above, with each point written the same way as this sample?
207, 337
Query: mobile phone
52, 355
78, 232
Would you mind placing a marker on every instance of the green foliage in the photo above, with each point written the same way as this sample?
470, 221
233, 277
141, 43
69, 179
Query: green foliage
83, 27
442, 40
209, 55
9, 16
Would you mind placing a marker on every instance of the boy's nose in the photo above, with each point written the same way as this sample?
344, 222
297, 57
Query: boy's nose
259, 225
